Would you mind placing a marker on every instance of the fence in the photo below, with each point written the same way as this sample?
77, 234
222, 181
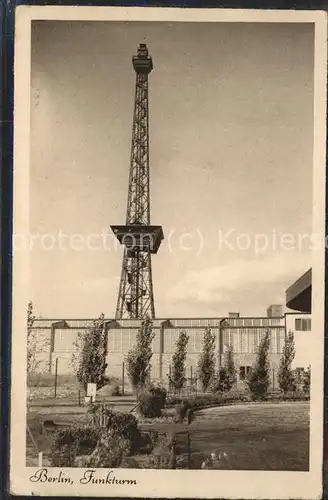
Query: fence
64, 387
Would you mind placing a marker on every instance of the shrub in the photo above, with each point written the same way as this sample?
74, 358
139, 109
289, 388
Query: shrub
164, 455
115, 390
290, 396
72, 441
149, 441
110, 451
152, 402
159, 392
181, 410
107, 429
125, 425
198, 402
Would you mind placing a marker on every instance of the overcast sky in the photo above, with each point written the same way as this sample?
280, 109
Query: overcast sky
231, 134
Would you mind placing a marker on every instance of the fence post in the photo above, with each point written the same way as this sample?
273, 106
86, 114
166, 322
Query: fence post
169, 378
191, 380
273, 380
56, 373
189, 450
123, 378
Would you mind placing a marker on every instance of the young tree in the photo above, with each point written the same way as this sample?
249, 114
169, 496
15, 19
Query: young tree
259, 381
76, 356
92, 361
177, 377
206, 361
285, 374
138, 358
31, 339
227, 373
37, 345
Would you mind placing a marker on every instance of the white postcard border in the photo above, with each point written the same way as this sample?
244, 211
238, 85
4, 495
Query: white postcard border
162, 483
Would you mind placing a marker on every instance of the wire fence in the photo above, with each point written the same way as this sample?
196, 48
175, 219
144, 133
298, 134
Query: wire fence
65, 387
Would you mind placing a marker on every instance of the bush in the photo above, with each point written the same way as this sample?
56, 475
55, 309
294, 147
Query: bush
198, 402
164, 455
181, 410
111, 450
159, 392
152, 401
70, 442
107, 429
201, 401
115, 390
125, 425
289, 396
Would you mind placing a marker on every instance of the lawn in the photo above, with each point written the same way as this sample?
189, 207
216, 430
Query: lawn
251, 437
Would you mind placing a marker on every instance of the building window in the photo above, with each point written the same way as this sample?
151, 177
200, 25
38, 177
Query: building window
244, 372
303, 324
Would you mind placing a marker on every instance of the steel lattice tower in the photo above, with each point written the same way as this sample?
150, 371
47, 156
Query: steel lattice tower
140, 239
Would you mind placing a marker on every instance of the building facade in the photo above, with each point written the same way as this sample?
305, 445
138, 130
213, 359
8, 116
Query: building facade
242, 333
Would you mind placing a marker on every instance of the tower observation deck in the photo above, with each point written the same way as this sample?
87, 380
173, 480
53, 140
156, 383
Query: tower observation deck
139, 238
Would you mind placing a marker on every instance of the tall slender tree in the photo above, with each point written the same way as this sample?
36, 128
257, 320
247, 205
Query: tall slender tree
138, 358
285, 374
177, 377
37, 359
259, 380
31, 339
92, 361
206, 361
227, 373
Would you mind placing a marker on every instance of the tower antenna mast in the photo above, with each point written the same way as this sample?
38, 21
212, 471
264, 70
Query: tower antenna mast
140, 239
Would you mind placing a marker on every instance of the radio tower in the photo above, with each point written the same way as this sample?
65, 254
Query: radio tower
140, 239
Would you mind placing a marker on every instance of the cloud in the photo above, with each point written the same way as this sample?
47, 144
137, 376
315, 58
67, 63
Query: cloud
222, 282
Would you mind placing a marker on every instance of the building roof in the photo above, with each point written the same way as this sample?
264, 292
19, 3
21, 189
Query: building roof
299, 294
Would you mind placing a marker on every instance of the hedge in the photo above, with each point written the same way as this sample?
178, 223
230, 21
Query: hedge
198, 402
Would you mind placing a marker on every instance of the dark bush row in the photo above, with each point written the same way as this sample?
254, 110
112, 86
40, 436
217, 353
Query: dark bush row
202, 401
290, 396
